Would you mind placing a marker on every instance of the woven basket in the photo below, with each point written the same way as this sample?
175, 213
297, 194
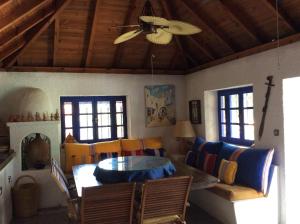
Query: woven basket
25, 198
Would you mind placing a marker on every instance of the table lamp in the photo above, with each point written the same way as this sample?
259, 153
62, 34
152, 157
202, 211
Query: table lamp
183, 132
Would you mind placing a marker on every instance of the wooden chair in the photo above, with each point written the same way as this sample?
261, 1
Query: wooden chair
69, 181
108, 204
71, 202
164, 200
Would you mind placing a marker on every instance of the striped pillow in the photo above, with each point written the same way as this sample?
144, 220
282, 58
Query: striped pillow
133, 153
209, 163
155, 152
106, 155
227, 171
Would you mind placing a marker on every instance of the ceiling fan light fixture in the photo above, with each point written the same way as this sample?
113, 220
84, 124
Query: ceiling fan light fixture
160, 37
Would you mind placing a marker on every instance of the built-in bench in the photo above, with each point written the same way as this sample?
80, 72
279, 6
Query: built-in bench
237, 203
234, 204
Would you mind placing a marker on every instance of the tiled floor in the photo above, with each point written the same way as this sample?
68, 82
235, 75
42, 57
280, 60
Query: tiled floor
59, 216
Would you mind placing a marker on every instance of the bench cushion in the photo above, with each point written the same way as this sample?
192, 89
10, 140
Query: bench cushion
235, 192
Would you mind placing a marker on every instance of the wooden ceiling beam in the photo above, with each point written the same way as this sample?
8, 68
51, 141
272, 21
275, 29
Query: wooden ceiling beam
248, 52
271, 4
202, 48
4, 3
7, 50
55, 41
179, 45
92, 34
39, 29
22, 11
239, 18
19, 30
208, 25
92, 70
120, 47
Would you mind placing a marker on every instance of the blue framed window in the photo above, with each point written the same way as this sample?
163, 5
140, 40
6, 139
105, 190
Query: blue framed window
236, 117
94, 118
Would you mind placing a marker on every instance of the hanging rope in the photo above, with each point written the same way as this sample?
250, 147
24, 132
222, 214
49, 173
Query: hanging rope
152, 68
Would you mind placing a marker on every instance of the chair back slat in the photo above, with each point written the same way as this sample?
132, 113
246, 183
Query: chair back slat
59, 170
165, 197
108, 204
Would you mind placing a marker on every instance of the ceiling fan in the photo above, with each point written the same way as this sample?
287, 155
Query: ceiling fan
158, 30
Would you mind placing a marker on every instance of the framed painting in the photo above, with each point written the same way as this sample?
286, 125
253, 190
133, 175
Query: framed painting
195, 111
160, 105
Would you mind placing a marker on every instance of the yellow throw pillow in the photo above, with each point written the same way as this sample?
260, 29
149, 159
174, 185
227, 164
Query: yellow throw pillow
227, 171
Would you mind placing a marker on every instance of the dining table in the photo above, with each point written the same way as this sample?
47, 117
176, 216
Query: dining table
84, 174
133, 169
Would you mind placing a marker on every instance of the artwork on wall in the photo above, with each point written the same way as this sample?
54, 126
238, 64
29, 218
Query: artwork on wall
160, 105
195, 111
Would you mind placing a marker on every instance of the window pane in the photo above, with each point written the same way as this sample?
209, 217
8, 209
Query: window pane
68, 131
103, 106
120, 132
68, 108
234, 116
223, 130
235, 131
119, 119
86, 134
222, 103
86, 120
68, 121
104, 133
85, 107
249, 132
234, 101
248, 99
223, 117
119, 106
103, 119
248, 116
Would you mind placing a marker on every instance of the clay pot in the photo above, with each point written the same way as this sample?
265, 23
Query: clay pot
38, 153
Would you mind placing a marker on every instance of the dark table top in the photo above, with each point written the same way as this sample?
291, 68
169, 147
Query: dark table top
83, 175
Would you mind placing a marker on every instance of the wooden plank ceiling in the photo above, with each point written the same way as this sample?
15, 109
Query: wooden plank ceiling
77, 35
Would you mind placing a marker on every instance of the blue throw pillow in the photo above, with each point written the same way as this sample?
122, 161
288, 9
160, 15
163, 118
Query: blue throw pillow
210, 148
253, 168
198, 141
155, 152
190, 158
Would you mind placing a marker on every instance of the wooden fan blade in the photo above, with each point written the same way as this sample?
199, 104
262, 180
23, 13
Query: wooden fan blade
182, 28
127, 36
160, 37
158, 21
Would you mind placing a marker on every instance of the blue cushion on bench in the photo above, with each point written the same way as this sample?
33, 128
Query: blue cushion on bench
253, 168
190, 158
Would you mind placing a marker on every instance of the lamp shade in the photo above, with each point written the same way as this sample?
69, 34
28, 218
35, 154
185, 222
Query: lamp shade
184, 129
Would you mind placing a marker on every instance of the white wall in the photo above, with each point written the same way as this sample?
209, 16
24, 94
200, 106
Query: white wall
253, 70
66, 84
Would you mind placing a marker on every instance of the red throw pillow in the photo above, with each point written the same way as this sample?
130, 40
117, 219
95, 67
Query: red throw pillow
209, 163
